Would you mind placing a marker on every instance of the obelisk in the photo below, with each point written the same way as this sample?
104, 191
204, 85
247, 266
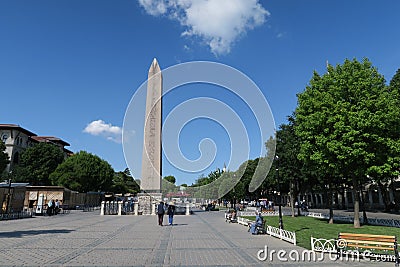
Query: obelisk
151, 157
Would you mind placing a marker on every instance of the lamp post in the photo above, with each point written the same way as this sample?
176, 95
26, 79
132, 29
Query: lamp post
279, 194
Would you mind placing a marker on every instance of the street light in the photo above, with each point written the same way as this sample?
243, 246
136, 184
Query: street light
279, 194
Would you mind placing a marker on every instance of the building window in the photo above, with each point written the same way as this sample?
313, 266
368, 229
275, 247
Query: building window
4, 138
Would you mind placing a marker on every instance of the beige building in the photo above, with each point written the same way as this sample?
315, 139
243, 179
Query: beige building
37, 197
18, 139
12, 196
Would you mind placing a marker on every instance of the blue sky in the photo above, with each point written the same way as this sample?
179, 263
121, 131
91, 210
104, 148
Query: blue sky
66, 65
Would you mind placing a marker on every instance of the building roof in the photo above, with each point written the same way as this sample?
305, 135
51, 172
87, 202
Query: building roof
38, 187
6, 184
68, 152
50, 139
17, 127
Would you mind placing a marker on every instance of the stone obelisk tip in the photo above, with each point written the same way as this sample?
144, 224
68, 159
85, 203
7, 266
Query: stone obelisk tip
154, 68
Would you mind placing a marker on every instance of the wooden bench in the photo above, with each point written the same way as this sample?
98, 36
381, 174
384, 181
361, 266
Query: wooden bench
231, 217
367, 242
260, 229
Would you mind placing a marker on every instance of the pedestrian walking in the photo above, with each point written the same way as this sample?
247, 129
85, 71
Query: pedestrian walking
160, 213
171, 212
50, 207
56, 207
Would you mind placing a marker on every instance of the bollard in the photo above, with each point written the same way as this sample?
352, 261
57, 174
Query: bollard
153, 208
102, 208
120, 208
136, 208
187, 209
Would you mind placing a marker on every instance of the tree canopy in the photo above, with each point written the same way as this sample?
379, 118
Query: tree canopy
395, 81
345, 121
37, 163
170, 178
84, 172
123, 182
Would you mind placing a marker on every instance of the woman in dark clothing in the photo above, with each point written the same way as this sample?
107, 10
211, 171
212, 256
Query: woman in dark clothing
170, 212
160, 213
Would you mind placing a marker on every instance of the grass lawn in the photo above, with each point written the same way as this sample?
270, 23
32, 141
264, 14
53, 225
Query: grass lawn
305, 227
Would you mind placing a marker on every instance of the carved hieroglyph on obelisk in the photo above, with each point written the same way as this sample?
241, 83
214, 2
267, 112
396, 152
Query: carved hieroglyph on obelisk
151, 158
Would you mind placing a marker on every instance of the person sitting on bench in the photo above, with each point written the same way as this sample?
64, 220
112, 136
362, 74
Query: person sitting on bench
258, 223
233, 216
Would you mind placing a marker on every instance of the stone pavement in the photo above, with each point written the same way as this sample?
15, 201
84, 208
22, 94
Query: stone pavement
88, 239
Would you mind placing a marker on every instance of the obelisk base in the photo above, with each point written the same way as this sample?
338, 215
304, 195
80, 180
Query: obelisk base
148, 202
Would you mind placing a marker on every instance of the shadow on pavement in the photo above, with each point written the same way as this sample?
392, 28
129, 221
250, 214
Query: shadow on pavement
32, 232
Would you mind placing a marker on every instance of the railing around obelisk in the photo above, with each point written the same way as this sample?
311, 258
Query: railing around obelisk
132, 208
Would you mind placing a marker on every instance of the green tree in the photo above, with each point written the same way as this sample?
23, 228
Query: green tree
124, 183
290, 167
395, 81
342, 119
241, 180
302, 175
84, 172
3, 157
168, 185
225, 185
170, 178
202, 180
386, 168
37, 163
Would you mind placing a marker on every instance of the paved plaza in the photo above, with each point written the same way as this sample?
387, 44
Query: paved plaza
88, 239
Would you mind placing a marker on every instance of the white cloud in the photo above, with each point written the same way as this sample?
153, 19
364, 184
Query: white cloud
110, 132
218, 23
281, 35
154, 8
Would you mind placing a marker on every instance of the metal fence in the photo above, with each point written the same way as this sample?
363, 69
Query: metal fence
371, 221
272, 231
16, 215
282, 234
111, 208
264, 213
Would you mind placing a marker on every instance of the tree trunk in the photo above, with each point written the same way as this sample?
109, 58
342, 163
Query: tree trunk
330, 204
298, 197
356, 204
396, 201
343, 204
292, 193
326, 197
298, 204
365, 218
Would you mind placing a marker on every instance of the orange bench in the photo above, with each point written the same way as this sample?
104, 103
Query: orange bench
367, 242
